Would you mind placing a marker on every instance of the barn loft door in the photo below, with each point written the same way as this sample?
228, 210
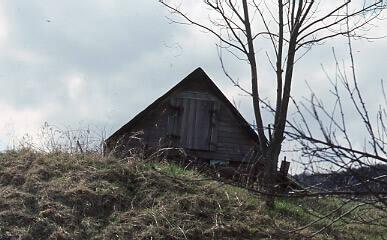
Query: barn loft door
192, 122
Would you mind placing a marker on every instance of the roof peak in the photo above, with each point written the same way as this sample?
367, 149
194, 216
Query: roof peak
198, 76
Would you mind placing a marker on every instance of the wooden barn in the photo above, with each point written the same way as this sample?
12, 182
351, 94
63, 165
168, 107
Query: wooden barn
194, 116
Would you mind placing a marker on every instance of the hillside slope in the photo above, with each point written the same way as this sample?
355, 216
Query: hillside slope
62, 196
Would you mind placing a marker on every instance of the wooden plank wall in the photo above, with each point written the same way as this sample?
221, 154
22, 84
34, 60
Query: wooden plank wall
233, 142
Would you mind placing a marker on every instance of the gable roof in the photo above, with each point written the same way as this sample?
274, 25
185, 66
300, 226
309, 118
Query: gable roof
199, 76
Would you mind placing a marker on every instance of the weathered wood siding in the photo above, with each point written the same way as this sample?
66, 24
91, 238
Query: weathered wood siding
196, 116
233, 142
225, 138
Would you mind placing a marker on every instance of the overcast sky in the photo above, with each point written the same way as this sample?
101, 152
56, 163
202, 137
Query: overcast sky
99, 62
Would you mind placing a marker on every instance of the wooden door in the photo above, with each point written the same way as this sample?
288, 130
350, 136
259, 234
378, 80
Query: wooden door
195, 131
193, 122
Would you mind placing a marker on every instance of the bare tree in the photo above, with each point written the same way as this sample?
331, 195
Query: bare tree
331, 147
292, 27
338, 164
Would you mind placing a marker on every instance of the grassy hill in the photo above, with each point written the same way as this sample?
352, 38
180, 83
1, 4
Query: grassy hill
62, 196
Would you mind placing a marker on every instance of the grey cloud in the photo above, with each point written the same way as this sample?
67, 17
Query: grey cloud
125, 54
124, 57
74, 38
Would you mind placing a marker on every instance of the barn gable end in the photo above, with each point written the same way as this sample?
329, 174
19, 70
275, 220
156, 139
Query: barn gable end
196, 116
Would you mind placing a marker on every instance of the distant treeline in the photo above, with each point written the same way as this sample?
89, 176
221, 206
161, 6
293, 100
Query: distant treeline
363, 179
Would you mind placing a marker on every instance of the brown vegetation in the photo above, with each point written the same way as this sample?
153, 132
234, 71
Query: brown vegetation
64, 196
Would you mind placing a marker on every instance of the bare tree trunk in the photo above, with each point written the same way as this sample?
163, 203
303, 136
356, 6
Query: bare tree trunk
298, 26
254, 79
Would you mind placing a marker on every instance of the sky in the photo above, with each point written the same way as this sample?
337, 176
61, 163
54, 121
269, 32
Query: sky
98, 63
